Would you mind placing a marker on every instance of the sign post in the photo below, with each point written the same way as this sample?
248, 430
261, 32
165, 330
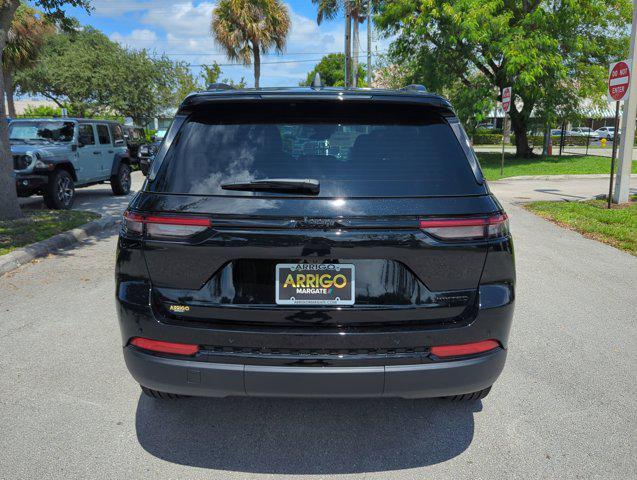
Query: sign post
506, 106
625, 157
618, 82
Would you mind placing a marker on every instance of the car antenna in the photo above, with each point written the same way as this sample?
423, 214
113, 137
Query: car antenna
316, 83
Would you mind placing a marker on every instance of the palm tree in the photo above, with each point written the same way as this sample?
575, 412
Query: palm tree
28, 32
247, 28
329, 9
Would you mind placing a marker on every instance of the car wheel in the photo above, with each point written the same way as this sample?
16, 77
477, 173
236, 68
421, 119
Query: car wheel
470, 397
161, 395
59, 192
122, 181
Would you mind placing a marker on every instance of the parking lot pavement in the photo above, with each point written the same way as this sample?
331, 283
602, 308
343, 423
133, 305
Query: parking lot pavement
554, 187
565, 406
98, 198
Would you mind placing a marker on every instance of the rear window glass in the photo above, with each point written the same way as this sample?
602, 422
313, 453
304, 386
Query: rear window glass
102, 134
352, 150
116, 132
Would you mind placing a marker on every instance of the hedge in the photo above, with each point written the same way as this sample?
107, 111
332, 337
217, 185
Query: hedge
495, 139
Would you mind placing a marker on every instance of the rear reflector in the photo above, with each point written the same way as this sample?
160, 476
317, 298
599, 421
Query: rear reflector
165, 347
464, 349
164, 226
467, 228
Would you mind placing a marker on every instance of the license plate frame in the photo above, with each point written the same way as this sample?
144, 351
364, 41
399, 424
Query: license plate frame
319, 294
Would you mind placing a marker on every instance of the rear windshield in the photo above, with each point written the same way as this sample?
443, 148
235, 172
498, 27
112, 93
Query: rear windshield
352, 150
41, 131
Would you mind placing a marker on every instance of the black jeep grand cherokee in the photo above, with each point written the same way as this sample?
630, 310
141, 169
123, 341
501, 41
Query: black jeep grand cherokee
315, 242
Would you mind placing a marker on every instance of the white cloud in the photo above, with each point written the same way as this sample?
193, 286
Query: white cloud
110, 8
137, 39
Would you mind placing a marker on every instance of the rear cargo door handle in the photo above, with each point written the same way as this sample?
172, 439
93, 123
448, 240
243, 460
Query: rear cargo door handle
96, 153
110, 151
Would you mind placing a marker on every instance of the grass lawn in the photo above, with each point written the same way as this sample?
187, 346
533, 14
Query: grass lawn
573, 164
39, 225
616, 227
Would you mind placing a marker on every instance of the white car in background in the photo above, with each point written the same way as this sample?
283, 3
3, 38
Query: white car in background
585, 132
607, 132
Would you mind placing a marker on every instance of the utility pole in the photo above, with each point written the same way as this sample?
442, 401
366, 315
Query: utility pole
348, 44
628, 125
369, 43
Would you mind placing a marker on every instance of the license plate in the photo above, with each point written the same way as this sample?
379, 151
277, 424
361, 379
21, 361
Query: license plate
315, 284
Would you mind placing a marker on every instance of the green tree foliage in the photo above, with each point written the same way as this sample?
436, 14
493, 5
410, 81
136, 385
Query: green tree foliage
42, 111
212, 73
78, 69
553, 53
331, 68
90, 75
247, 28
145, 85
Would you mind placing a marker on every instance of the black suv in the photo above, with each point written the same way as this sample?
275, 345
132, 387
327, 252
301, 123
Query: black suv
135, 137
315, 242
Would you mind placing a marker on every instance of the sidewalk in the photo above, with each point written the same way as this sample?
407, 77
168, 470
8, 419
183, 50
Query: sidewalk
568, 150
553, 187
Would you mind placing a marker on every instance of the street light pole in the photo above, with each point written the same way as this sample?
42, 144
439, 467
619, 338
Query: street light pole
628, 124
348, 44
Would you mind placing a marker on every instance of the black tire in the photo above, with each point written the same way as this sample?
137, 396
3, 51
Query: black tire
469, 397
161, 395
120, 184
59, 193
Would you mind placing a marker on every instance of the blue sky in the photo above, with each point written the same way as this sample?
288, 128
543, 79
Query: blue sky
180, 29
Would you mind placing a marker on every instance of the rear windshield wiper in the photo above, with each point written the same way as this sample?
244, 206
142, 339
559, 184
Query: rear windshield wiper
284, 185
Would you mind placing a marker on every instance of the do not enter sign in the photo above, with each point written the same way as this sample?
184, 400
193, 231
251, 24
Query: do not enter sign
506, 99
618, 81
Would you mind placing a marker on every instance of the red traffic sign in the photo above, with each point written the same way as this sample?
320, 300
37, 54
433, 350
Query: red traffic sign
618, 81
506, 99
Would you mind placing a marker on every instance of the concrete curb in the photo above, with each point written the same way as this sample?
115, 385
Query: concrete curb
557, 177
19, 257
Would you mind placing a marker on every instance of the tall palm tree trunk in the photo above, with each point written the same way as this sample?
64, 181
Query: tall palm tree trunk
356, 48
8, 88
257, 63
9, 206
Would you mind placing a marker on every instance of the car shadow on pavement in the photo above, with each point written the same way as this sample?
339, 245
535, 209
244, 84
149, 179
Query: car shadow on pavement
101, 201
304, 436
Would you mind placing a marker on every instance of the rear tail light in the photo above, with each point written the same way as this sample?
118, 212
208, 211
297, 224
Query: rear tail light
165, 226
165, 347
134, 222
464, 349
467, 228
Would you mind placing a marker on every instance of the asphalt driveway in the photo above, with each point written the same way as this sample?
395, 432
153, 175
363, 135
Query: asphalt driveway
565, 406
97, 198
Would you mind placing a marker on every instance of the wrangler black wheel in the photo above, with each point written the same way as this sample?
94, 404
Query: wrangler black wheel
59, 192
122, 181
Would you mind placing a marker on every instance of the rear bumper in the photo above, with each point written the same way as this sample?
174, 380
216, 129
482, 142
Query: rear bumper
189, 377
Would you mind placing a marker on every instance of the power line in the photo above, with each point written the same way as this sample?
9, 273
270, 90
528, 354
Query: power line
262, 63
195, 54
